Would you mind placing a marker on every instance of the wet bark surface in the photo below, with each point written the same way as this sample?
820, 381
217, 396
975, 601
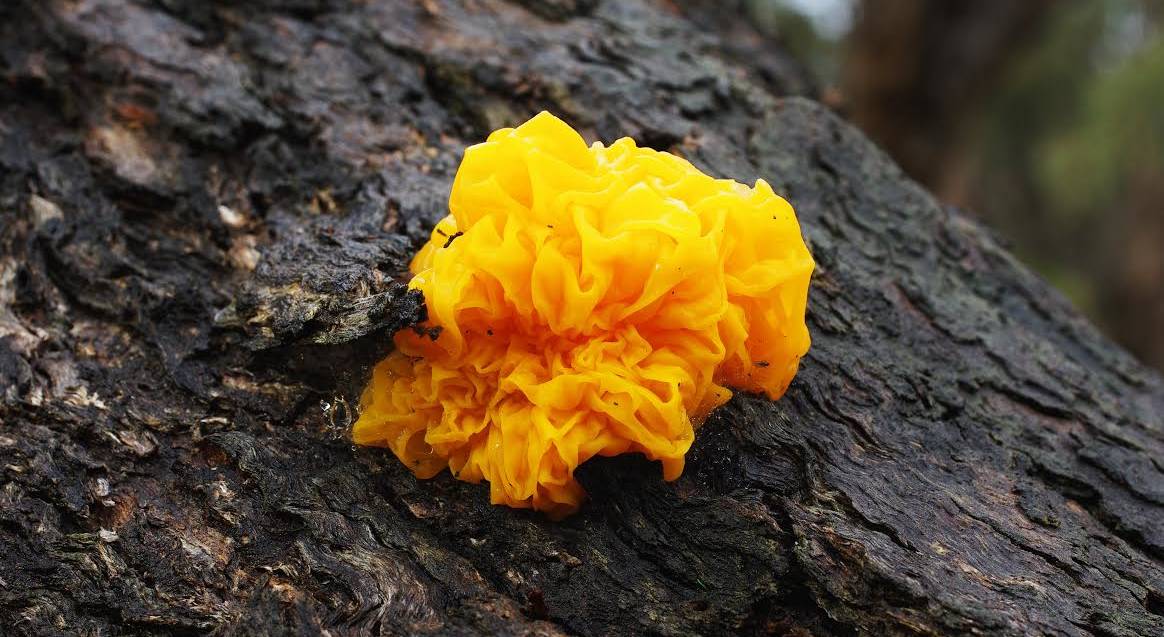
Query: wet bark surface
207, 212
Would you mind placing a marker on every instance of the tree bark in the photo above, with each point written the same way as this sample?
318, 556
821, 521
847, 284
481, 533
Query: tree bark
207, 211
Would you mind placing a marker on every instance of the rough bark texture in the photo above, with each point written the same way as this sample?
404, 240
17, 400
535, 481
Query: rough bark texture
207, 211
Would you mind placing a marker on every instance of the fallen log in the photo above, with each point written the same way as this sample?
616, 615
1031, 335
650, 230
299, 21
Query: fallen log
206, 213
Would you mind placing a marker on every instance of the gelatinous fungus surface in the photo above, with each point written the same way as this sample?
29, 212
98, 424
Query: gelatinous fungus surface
585, 301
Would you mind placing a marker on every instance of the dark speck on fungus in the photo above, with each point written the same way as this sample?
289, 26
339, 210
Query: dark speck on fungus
449, 241
658, 284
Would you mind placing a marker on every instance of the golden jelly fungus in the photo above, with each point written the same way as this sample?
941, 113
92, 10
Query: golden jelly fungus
591, 301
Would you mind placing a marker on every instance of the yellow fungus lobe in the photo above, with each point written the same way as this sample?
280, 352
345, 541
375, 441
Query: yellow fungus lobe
591, 301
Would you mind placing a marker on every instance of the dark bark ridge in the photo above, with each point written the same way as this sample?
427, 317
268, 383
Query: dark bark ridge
207, 213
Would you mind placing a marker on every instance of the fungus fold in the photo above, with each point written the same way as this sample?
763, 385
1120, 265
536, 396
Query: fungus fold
590, 301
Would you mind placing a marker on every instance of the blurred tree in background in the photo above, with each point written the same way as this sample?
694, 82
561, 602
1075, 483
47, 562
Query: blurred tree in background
916, 73
1045, 118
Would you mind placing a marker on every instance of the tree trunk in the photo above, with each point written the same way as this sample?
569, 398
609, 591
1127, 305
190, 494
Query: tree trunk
207, 210
916, 75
